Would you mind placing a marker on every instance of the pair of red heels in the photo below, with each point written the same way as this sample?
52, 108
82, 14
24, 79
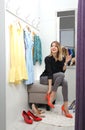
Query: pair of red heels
29, 117
66, 114
48, 99
63, 108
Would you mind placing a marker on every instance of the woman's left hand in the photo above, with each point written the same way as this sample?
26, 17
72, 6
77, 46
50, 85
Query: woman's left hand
68, 58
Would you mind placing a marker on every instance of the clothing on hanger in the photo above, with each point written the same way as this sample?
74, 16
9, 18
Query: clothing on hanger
18, 71
29, 56
37, 55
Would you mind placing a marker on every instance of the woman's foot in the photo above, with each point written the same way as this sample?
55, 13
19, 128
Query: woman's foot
49, 103
66, 112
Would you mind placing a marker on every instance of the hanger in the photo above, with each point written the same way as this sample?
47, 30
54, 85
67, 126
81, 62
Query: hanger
28, 28
17, 23
33, 33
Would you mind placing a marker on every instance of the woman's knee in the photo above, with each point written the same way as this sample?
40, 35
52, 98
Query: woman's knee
60, 74
44, 80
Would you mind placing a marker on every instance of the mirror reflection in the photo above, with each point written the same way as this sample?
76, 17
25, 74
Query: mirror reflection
41, 22
67, 36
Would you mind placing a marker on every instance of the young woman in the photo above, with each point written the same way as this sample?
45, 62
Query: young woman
53, 75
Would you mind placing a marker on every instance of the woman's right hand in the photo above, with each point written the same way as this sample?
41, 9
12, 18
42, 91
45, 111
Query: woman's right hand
49, 91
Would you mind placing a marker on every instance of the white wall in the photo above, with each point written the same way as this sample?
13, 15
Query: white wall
2, 66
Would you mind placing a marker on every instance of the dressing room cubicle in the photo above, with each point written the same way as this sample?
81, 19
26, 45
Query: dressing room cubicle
50, 20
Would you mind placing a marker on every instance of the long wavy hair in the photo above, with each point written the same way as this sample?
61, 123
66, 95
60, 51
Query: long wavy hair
59, 53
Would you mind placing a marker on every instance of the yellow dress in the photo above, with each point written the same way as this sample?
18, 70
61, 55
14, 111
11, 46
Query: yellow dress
18, 71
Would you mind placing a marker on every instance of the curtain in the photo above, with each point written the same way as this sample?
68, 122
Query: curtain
80, 68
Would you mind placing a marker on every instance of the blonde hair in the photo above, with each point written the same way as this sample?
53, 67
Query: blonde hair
64, 51
59, 53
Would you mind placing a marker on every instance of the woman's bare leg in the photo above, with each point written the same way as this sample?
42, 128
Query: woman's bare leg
52, 96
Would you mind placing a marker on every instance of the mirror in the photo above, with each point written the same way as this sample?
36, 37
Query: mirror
67, 25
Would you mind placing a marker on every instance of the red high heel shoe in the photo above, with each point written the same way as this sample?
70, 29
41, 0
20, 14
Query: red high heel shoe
66, 114
35, 118
27, 119
48, 99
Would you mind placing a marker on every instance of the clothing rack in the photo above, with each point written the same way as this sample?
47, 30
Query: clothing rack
22, 19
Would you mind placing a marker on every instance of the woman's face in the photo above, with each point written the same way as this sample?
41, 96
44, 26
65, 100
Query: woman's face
54, 48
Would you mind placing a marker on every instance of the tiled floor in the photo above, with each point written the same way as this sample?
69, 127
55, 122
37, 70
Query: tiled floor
37, 126
19, 124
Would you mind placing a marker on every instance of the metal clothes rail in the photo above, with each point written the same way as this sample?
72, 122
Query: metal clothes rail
22, 19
